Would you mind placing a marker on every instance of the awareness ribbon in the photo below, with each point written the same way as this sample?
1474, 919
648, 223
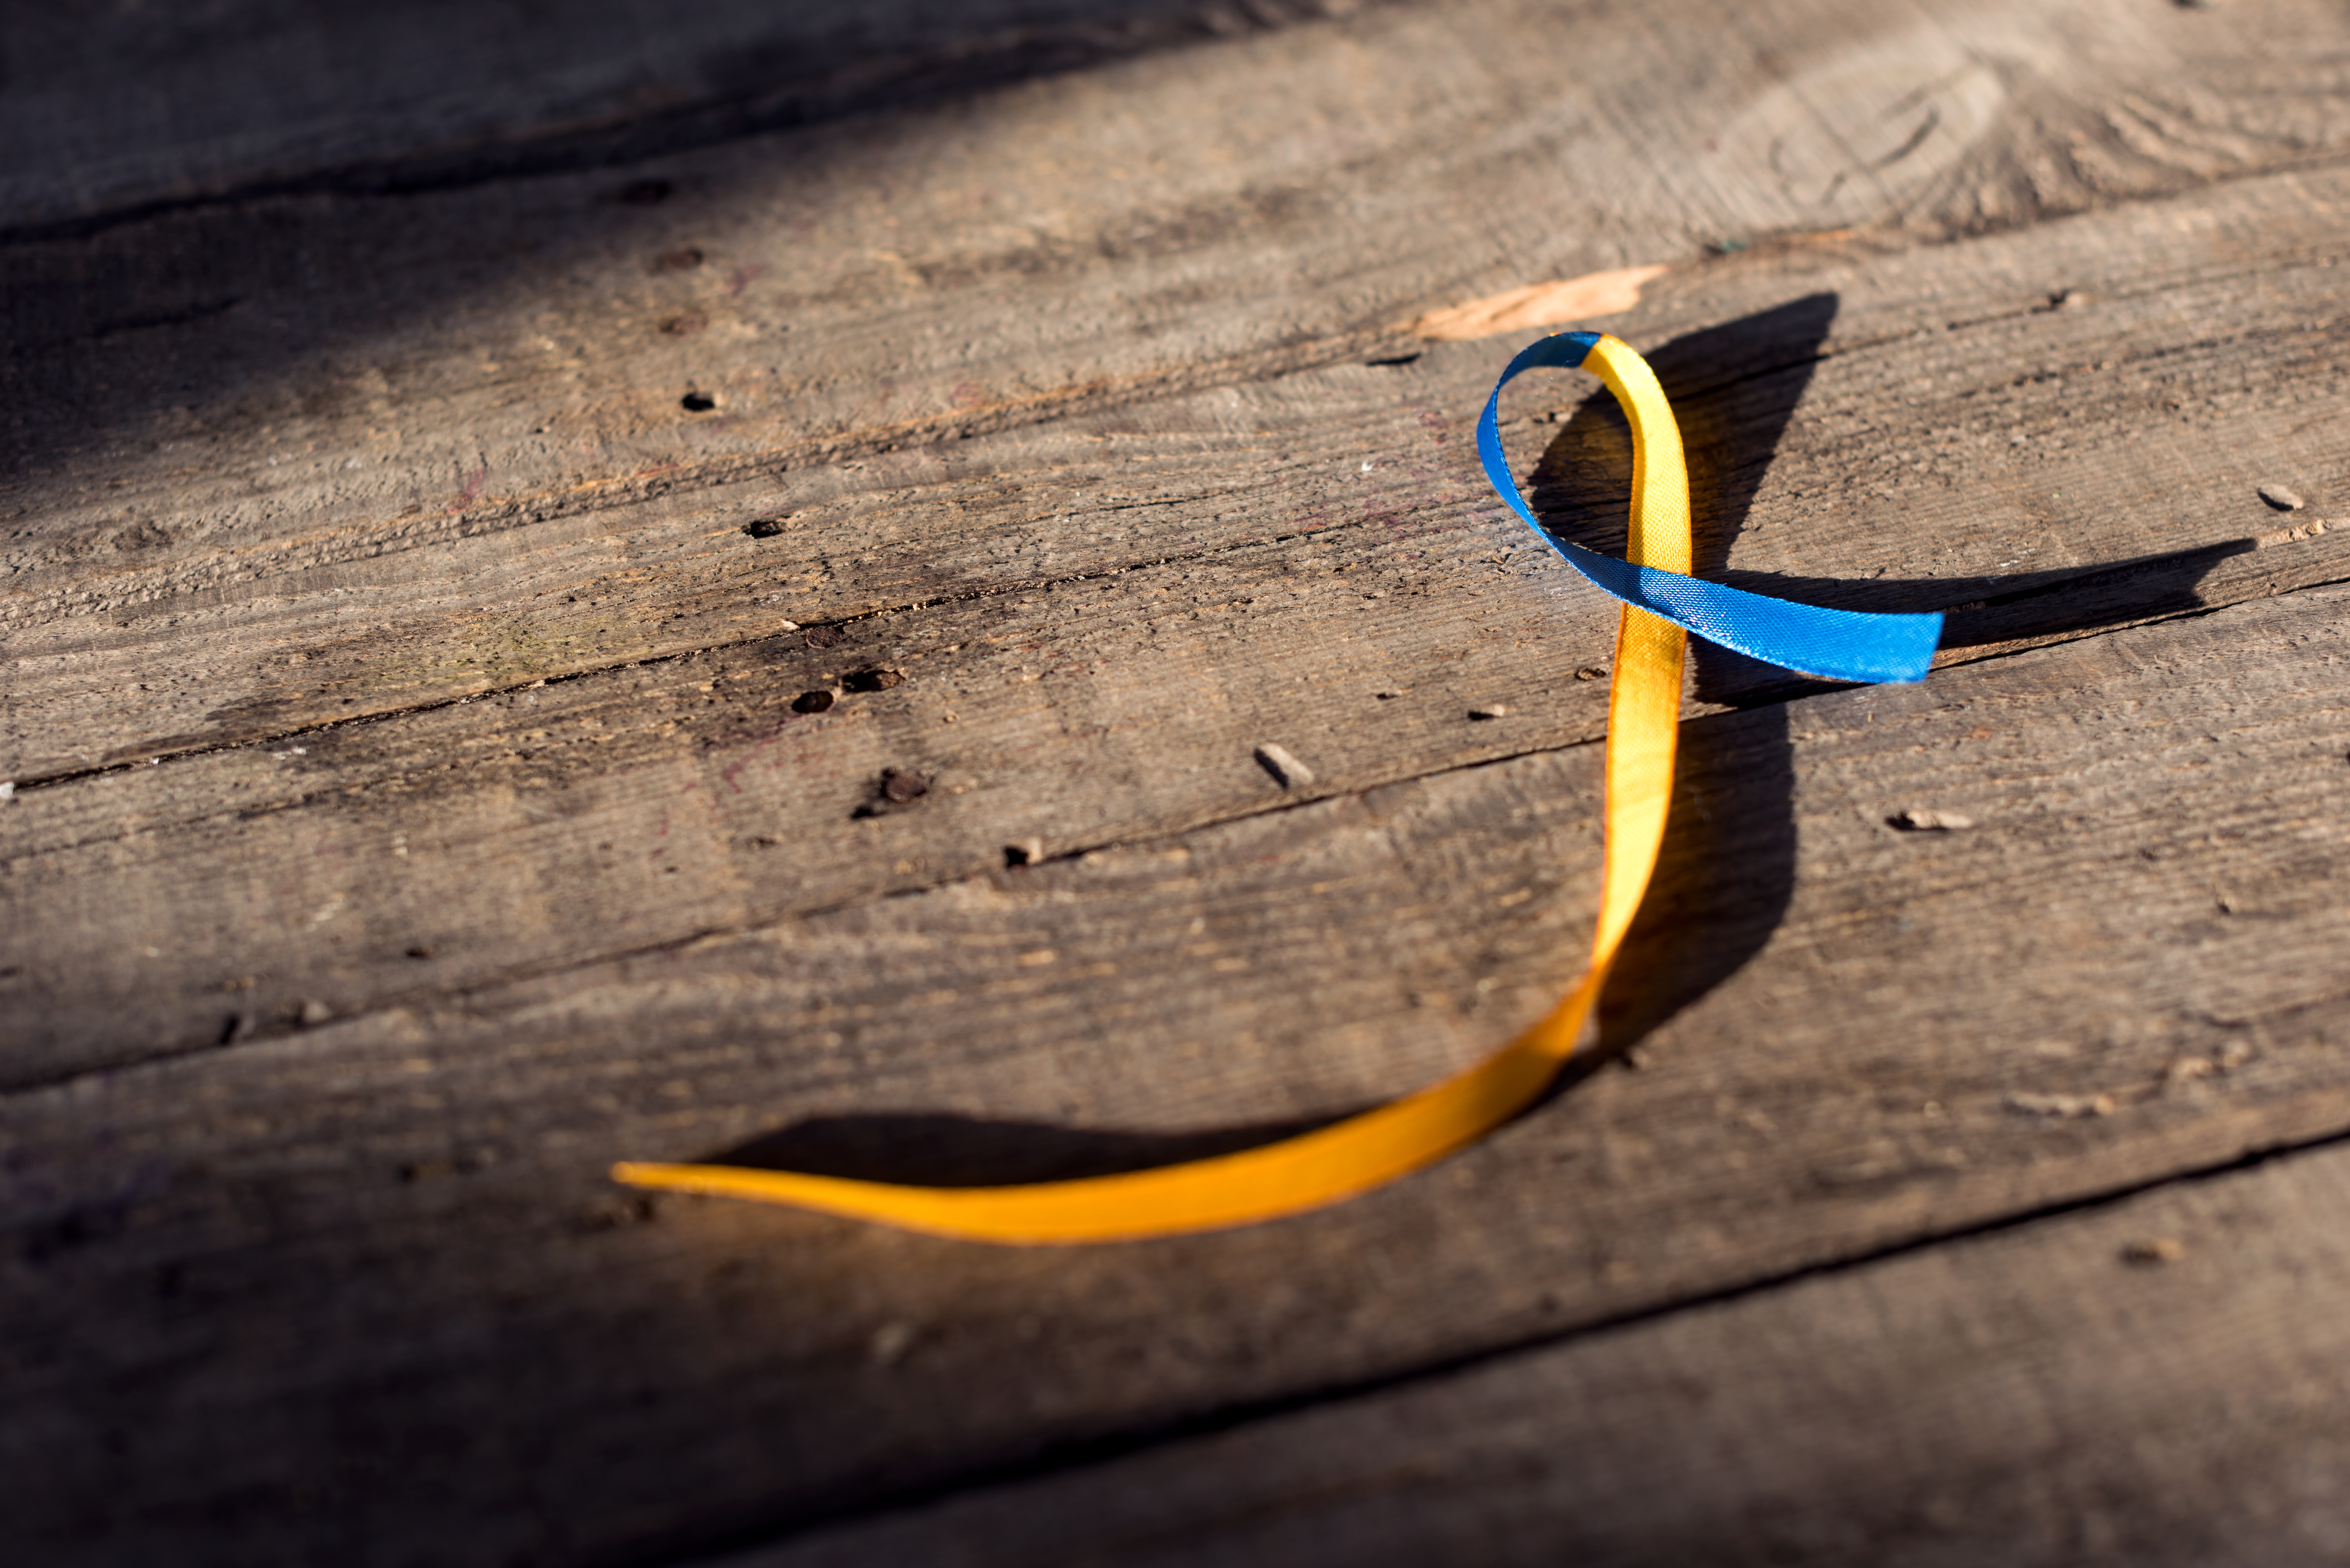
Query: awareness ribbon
1661, 603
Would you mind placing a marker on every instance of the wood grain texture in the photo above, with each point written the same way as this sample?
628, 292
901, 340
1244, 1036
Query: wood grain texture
1951, 403
2159, 1381
115, 112
382, 1253
1053, 445
1085, 632
241, 428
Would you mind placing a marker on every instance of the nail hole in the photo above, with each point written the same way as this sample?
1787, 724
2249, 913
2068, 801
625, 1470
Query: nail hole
685, 258
764, 528
697, 402
812, 703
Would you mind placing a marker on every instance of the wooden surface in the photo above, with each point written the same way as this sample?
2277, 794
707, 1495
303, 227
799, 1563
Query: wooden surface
478, 533
2078, 1390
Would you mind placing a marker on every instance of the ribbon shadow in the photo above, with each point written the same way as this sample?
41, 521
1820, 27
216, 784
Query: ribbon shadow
943, 1149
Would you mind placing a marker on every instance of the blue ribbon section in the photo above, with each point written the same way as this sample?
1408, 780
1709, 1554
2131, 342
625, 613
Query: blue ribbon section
1837, 645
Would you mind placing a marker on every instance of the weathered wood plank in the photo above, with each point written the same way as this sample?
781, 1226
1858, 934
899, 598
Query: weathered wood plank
275, 96
394, 99
177, 908
222, 894
2070, 1391
2014, 436
224, 416
362, 1282
365, 1283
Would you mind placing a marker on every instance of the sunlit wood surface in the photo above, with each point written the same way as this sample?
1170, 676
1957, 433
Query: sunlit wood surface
607, 582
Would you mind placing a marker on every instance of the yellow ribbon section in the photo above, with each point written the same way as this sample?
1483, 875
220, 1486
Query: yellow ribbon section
1376, 1147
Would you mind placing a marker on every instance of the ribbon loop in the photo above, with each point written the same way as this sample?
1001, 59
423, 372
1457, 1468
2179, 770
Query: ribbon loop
1811, 640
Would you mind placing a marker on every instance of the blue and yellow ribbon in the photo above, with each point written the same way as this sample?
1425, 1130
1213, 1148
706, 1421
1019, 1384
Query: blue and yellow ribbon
1661, 604
1840, 645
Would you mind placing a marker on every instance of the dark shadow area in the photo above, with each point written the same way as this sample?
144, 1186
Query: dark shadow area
940, 1149
2038, 604
2022, 606
607, 82
1722, 880
220, 314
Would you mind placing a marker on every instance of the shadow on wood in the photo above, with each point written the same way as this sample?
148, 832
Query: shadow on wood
611, 82
943, 1150
283, 298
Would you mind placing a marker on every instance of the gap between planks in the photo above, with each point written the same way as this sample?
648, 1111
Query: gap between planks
1100, 1501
